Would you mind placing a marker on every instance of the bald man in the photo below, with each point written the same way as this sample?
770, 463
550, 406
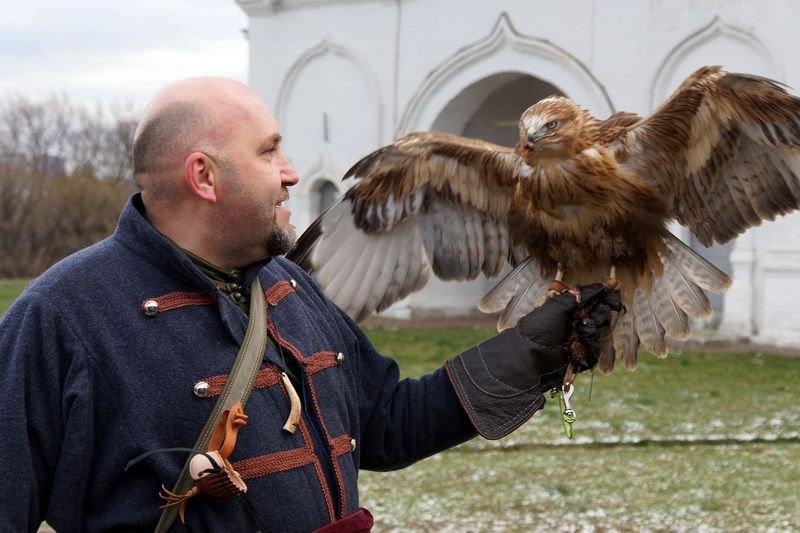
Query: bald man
208, 157
122, 350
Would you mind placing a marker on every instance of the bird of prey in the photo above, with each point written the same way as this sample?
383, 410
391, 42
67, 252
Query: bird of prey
577, 199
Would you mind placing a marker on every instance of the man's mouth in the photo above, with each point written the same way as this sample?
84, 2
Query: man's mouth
282, 198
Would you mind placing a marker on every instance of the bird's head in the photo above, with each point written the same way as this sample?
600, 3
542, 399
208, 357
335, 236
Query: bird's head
555, 127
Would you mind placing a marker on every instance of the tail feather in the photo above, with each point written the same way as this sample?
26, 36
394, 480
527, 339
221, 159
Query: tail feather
685, 292
649, 329
605, 360
626, 342
669, 313
522, 303
695, 267
502, 293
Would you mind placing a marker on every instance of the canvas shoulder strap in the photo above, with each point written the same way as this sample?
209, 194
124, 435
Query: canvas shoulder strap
236, 389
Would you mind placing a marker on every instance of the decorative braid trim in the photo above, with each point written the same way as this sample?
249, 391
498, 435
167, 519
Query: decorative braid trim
278, 292
319, 361
326, 491
314, 362
272, 463
283, 342
341, 445
178, 299
310, 382
264, 465
266, 377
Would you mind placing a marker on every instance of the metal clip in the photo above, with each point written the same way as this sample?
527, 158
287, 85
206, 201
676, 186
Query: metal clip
567, 413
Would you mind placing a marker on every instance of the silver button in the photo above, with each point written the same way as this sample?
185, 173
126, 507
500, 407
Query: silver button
339, 359
352, 445
201, 389
150, 308
293, 283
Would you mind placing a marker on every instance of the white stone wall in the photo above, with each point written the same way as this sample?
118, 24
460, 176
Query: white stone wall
347, 76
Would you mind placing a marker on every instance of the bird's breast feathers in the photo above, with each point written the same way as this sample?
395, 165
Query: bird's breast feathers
584, 197
592, 178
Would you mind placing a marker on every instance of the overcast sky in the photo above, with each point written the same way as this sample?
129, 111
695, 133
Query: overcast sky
116, 50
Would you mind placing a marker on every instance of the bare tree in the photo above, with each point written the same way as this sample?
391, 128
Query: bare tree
118, 143
63, 171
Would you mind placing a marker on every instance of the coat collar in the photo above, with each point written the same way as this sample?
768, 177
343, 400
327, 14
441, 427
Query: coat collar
136, 233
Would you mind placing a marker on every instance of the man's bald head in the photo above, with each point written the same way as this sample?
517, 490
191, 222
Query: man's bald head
161, 140
185, 116
208, 159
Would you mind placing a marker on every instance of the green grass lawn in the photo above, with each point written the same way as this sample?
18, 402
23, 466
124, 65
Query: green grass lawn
9, 290
694, 441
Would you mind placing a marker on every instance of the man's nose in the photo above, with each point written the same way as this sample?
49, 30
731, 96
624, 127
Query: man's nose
289, 175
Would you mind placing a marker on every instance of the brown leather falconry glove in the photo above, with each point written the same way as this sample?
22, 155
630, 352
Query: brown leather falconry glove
501, 381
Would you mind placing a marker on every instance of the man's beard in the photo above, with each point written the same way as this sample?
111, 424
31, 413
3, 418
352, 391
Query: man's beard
280, 240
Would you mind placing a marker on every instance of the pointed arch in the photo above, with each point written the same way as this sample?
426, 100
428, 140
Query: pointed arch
326, 168
664, 82
504, 49
328, 46
305, 201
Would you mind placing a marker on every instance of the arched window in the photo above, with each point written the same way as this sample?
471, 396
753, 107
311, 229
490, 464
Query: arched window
327, 193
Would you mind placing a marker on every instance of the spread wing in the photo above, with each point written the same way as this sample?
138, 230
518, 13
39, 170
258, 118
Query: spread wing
724, 149
429, 202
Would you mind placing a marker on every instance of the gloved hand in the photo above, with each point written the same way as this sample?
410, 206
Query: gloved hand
569, 328
501, 381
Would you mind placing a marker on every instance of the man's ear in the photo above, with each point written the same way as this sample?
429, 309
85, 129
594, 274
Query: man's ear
201, 176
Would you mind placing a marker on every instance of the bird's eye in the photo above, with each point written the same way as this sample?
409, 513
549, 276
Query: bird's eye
551, 125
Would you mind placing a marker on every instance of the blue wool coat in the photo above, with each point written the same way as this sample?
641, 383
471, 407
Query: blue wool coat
91, 381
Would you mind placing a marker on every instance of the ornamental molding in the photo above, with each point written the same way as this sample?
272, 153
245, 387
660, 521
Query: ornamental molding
663, 86
328, 46
537, 57
265, 8
325, 169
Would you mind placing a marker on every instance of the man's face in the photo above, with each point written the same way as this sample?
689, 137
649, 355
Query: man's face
255, 179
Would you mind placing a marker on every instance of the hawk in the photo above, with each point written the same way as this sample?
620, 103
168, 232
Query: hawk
577, 199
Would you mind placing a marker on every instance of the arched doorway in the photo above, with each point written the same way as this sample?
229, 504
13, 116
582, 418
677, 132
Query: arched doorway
325, 193
488, 109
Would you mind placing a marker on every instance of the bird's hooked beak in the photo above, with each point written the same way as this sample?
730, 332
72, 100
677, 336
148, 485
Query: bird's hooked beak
531, 137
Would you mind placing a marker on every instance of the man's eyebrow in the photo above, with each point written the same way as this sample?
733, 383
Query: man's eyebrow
271, 141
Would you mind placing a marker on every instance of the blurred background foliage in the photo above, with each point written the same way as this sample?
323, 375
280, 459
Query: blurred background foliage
64, 176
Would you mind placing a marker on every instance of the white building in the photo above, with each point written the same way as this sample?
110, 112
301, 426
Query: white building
344, 77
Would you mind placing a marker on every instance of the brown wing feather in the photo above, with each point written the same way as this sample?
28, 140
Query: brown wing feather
429, 202
458, 169
615, 125
724, 149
